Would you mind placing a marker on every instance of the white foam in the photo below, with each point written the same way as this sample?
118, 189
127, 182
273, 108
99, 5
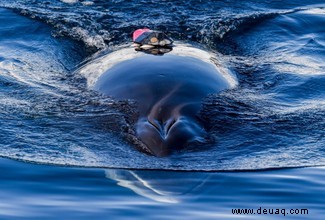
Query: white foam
316, 11
70, 1
87, 3
89, 39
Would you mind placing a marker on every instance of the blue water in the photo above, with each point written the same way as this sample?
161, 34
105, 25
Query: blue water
31, 191
68, 139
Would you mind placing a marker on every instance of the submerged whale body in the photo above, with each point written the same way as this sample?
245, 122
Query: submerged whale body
168, 91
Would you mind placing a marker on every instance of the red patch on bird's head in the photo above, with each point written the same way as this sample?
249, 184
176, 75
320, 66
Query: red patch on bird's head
138, 32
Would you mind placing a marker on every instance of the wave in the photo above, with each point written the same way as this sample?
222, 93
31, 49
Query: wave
101, 25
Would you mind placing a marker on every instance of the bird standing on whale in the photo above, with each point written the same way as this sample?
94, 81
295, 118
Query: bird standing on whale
168, 90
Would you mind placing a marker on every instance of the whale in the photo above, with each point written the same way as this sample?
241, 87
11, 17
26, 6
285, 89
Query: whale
168, 91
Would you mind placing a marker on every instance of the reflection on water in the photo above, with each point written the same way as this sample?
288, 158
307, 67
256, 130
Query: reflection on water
32, 191
169, 187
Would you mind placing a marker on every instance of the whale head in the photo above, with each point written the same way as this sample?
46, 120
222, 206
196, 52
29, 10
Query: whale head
168, 91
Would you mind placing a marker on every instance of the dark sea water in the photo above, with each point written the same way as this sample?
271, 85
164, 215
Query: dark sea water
63, 155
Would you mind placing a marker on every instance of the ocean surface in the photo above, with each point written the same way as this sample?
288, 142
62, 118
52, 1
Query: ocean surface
61, 149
